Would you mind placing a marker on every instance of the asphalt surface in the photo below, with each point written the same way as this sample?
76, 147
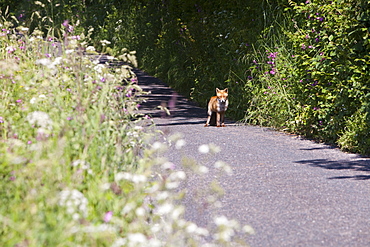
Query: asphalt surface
293, 192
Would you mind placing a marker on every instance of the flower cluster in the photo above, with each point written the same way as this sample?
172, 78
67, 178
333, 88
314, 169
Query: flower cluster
272, 57
75, 203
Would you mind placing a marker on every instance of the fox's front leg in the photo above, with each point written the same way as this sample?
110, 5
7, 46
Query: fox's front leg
222, 119
218, 119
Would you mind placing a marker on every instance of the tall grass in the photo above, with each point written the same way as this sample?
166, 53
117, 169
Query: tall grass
76, 166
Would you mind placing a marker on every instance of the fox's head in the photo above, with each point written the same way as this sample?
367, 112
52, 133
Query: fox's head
222, 95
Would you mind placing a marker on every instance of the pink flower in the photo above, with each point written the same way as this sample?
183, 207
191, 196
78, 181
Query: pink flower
108, 216
10, 49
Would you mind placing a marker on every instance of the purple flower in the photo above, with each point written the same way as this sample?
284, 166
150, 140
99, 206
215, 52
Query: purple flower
1, 120
133, 80
18, 101
315, 83
69, 118
303, 47
65, 23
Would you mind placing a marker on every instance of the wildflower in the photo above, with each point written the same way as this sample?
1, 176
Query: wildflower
133, 80
18, 101
83, 164
168, 166
44, 61
105, 42
204, 149
10, 49
203, 169
180, 143
69, 118
47, 55
248, 229
1, 120
108, 216
40, 119
303, 47
90, 48
75, 202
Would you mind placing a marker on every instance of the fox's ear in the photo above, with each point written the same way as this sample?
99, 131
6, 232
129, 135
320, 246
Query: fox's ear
217, 90
226, 90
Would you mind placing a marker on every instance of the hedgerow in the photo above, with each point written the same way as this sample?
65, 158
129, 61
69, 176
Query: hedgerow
301, 66
78, 165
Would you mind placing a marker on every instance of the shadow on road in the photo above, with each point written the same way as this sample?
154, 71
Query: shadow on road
358, 165
163, 100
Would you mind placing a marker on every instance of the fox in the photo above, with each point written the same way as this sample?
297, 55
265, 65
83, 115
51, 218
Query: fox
218, 104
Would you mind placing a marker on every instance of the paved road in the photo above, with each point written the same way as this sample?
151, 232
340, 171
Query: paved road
293, 192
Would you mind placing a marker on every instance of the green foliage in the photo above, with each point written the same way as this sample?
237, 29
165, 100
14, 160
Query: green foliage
314, 84
331, 49
76, 164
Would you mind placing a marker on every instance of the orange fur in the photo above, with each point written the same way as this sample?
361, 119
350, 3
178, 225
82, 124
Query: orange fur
218, 104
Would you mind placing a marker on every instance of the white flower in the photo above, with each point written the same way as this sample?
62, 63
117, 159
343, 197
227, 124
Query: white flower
105, 42
180, 143
40, 119
136, 238
119, 242
140, 211
203, 169
179, 175
165, 208
221, 220
99, 68
44, 61
90, 48
204, 149
83, 164
168, 165
122, 175
138, 179
248, 229
75, 202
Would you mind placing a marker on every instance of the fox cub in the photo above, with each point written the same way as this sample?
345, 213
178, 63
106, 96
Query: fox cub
218, 105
